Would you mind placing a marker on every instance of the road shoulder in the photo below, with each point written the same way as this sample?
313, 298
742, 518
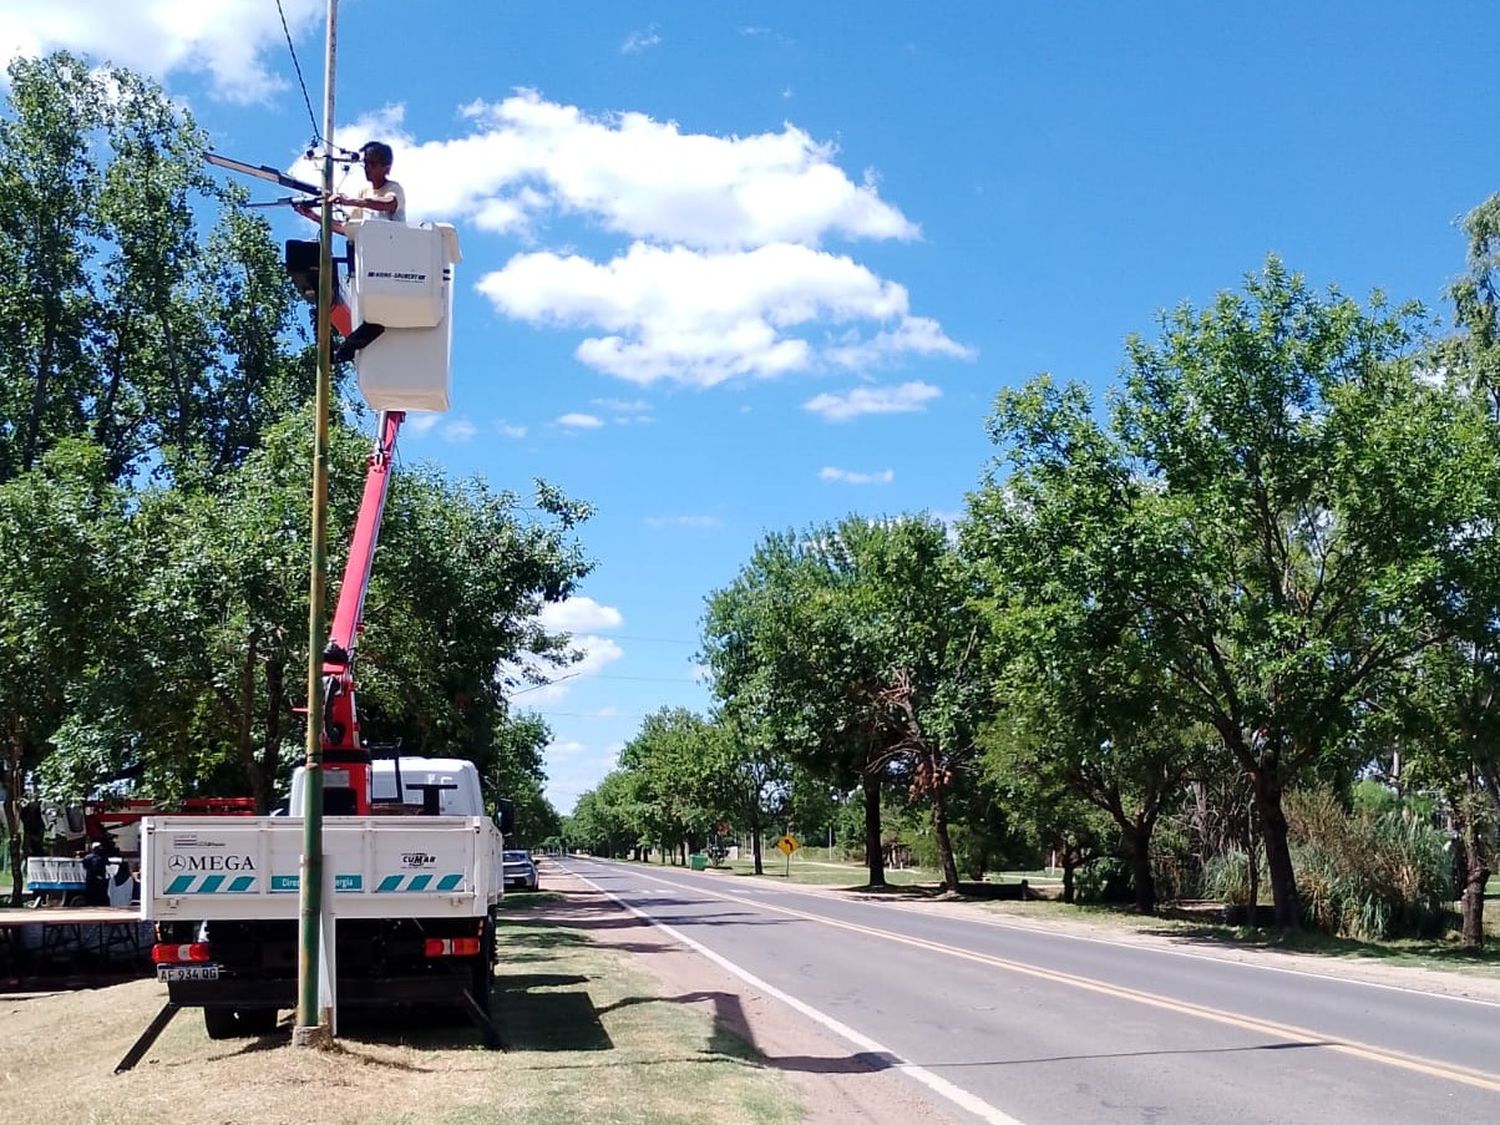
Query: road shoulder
838, 1085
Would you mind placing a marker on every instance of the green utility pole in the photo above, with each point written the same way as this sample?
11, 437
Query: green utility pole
309, 1031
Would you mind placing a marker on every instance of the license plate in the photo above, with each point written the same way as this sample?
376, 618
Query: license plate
187, 972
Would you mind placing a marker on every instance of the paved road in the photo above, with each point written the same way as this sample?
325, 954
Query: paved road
1001, 1022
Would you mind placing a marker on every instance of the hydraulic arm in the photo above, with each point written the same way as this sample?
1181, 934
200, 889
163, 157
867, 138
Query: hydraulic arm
347, 787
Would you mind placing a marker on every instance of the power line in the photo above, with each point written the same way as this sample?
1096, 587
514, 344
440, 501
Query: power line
650, 640
307, 101
604, 676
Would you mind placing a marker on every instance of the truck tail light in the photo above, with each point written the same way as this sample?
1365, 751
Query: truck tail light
451, 947
170, 953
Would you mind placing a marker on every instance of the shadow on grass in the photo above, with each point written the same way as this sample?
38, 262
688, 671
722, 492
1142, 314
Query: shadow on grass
541, 1011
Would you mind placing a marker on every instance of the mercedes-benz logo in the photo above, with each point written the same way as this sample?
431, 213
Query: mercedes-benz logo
176, 863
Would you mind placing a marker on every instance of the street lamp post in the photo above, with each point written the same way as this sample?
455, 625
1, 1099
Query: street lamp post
310, 1029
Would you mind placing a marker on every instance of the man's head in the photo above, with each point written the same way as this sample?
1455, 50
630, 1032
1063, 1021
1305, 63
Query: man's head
98, 847
377, 161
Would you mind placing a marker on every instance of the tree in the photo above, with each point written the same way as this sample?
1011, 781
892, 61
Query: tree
858, 648
118, 320
748, 779
1277, 504
61, 533
1083, 696
48, 190
674, 755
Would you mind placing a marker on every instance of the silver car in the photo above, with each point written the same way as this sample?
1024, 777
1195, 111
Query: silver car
520, 871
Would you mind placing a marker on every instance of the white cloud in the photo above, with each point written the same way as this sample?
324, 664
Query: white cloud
915, 335
845, 476
460, 430
510, 431
556, 750
574, 615
527, 158
725, 275
905, 399
684, 521
422, 423
700, 318
638, 41
624, 412
580, 421
227, 40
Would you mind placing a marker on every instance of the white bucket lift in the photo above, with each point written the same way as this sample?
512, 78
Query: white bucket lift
403, 280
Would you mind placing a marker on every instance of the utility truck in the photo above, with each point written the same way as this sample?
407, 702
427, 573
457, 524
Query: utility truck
412, 863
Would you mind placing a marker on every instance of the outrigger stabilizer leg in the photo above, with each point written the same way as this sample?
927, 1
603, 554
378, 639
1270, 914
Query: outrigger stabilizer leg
143, 1044
487, 1030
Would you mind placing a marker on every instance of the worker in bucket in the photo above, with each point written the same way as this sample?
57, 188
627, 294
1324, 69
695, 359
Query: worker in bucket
380, 198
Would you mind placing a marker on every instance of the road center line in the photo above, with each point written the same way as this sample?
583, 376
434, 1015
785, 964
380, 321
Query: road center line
1430, 1067
937, 1084
1029, 927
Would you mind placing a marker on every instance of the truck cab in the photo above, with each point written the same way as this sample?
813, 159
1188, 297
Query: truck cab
399, 786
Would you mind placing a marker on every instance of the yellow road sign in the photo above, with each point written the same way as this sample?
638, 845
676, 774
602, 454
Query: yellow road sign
788, 844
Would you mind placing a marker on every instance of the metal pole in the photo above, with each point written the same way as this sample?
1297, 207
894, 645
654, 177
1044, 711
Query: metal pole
308, 1031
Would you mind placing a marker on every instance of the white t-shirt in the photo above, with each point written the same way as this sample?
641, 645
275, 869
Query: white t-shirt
388, 190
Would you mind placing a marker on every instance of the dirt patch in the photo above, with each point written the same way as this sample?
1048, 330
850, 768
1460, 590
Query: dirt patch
837, 1083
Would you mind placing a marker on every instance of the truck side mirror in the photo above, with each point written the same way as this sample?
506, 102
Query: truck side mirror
505, 816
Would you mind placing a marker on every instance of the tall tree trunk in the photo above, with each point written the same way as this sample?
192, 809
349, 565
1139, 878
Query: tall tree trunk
270, 754
14, 777
244, 735
874, 852
755, 835
944, 841
1252, 858
1069, 866
1273, 829
1476, 875
38, 399
1140, 868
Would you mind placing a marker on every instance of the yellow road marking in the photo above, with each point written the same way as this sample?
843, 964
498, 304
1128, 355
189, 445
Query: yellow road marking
1447, 1071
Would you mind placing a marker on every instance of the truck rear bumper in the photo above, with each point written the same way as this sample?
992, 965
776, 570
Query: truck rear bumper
282, 992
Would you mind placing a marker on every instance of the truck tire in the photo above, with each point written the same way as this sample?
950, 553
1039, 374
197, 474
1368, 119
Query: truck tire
484, 968
238, 1023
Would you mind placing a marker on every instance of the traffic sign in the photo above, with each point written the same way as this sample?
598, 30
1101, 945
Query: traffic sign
787, 845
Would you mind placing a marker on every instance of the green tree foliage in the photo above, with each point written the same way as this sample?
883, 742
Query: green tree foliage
61, 534
119, 321
673, 758
1085, 701
1278, 505
856, 649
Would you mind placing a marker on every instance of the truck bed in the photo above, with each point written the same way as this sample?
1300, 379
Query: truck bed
248, 868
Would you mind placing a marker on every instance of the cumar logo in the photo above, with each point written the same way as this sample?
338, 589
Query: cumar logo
417, 859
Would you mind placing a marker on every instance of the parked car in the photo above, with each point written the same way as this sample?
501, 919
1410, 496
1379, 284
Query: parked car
520, 871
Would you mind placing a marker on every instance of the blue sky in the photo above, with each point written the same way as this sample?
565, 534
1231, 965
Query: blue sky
731, 268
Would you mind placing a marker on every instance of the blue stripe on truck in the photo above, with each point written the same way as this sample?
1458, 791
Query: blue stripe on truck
211, 884
417, 884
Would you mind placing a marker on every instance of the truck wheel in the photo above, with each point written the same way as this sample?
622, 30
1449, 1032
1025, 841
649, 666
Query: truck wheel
484, 968
238, 1023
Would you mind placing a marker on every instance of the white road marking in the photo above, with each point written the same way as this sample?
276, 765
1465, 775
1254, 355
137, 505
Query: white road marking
1448, 1071
1042, 928
938, 1085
